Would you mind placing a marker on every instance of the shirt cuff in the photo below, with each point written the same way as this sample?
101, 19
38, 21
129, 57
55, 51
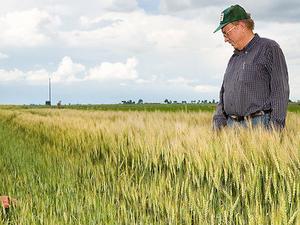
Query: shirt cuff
219, 122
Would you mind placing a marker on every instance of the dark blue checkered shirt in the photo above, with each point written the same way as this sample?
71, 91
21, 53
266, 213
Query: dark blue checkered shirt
256, 79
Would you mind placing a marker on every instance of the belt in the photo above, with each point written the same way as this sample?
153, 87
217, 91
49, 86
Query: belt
252, 115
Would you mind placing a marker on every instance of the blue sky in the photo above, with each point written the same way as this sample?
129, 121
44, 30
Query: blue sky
112, 50
151, 6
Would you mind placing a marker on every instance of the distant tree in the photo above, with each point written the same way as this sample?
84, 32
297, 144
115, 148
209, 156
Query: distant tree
128, 102
290, 101
213, 101
183, 102
140, 101
167, 101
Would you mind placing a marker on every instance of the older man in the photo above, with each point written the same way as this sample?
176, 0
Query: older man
255, 87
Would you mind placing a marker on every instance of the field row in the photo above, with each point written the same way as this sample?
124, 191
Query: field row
148, 107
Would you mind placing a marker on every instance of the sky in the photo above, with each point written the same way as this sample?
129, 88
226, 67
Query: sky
107, 51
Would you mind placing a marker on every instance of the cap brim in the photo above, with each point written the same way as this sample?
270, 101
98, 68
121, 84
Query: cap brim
220, 27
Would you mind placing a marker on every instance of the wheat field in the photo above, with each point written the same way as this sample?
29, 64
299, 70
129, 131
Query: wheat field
68, 166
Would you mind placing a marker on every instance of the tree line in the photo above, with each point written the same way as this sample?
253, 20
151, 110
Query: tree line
168, 101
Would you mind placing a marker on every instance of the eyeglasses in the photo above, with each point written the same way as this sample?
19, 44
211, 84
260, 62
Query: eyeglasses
225, 34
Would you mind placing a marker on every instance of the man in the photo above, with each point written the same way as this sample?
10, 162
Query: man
255, 87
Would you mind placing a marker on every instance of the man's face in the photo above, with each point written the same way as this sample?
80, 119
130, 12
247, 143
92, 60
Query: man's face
231, 34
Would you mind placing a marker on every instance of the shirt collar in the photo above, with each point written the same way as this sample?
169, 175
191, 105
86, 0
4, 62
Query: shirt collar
248, 46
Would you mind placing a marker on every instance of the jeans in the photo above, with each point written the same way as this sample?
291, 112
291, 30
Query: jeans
263, 120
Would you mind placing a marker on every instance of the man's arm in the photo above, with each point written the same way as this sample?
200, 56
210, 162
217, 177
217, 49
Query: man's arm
219, 118
279, 86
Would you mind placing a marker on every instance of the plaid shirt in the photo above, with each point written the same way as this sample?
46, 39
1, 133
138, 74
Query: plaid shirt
256, 79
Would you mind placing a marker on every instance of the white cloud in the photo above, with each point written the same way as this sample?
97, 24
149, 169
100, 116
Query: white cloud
11, 75
181, 81
68, 71
37, 76
206, 89
68, 7
30, 77
3, 56
168, 38
112, 30
27, 28
114, 71
135, 30
154, 79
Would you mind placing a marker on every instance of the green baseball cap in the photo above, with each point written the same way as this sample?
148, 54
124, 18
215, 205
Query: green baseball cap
231, 14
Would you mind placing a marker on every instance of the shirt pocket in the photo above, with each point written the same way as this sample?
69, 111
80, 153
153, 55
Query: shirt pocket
251, 73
